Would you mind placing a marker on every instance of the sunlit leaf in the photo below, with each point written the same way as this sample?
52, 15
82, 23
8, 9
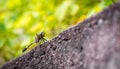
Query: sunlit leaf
23, 21
62, 9
36, 27
74, 9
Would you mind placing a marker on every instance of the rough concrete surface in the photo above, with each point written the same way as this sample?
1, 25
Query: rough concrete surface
92, 44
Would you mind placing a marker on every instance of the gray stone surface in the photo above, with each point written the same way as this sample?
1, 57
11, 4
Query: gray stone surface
92, 44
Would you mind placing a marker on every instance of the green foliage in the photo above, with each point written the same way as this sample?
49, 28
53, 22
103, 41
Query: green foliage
20, 20
109, 2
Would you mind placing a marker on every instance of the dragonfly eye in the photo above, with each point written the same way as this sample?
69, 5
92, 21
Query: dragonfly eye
42, 34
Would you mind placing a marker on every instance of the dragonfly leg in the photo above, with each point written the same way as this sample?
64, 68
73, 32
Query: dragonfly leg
44, 39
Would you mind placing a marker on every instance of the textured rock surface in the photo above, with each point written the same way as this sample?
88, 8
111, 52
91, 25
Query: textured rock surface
92, 44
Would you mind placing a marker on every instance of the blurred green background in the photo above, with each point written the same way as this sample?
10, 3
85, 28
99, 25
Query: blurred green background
20, 20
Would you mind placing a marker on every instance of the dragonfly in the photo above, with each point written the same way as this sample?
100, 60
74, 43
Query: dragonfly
39, 37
